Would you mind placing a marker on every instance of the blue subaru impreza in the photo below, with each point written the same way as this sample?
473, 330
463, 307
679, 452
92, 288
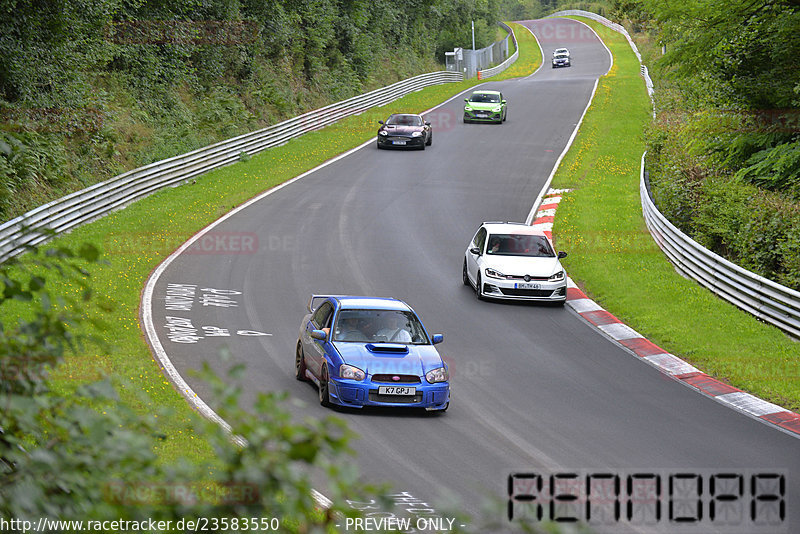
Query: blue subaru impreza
368, 351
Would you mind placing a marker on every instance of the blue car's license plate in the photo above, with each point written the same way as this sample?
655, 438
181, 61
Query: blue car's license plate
396, 390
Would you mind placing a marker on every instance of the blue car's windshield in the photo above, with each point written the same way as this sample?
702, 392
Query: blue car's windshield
379, 326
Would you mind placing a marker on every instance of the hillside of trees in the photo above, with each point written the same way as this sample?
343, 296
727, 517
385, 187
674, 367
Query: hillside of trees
93, 88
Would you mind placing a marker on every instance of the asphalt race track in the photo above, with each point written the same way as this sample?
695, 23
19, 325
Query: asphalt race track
534, 387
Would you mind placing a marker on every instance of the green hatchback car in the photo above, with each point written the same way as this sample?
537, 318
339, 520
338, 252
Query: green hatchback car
485, 106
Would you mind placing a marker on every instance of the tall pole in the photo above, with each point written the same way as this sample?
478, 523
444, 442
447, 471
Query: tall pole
473, 35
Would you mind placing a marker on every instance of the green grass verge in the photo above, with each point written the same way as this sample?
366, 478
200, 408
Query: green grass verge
614, 259
135, 240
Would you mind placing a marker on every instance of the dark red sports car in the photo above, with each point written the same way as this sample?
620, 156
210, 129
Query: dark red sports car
404, 130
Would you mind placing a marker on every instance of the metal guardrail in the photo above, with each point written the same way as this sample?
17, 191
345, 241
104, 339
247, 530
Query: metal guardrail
100, 199
767, 300
488, 73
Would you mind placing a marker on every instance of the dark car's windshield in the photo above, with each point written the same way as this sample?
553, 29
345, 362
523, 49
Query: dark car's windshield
379, 326
404, 120
484, 97
536, 246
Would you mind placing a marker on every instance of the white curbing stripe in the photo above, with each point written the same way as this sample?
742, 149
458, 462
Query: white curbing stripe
571, 283
671, 364
584, 305
619, 331
546, 213
558, 191
551, 200
748, 403
544, 227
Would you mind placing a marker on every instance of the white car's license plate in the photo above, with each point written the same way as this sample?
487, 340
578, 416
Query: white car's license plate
524, 285
396, 390
398, 142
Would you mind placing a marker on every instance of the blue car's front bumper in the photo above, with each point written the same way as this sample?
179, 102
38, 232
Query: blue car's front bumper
355, 394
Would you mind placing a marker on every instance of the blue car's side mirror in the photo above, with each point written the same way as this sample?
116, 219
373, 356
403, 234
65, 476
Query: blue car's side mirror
319, 334
437, 338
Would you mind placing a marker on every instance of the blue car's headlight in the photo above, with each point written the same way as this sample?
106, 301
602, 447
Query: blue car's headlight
383, 132
436, 375
491, 273
351, 372
556, 277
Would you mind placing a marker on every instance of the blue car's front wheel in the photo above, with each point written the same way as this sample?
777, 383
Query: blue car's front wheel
324, 387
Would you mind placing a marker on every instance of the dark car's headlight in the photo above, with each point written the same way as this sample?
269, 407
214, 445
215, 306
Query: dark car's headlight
492, 273
436, 375
416, 134
383, 132
351, 372
556, 277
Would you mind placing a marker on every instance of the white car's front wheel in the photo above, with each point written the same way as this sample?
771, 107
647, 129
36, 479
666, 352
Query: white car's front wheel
479, 287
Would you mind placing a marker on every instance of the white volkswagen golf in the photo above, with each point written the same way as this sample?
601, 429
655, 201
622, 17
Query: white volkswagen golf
514, 261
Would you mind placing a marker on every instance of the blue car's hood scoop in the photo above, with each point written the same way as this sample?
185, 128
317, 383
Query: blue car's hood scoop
390, 358
387, 348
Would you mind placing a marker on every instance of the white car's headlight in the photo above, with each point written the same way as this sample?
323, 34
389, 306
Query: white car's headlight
556, 277
383, 132
491, 273
436, 375
416, 134
351, 372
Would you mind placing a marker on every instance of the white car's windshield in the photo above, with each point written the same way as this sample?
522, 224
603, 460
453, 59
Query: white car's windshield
535, 246
404, 120
379, 326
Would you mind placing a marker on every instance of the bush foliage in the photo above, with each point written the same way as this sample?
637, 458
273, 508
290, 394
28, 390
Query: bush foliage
724, 152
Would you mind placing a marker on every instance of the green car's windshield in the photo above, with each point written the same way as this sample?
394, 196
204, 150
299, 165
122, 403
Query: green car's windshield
484, 98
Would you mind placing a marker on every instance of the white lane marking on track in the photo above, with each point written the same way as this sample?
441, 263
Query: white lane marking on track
537, 203
546, 186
